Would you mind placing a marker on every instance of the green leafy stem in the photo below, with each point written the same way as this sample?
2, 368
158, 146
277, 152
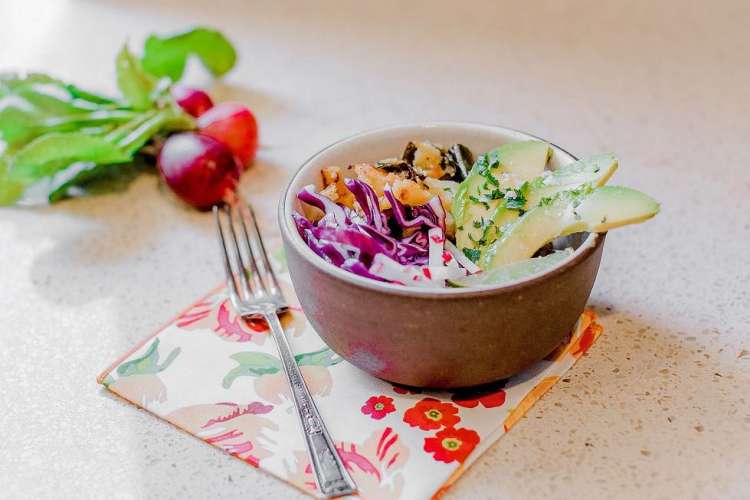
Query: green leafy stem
55, 136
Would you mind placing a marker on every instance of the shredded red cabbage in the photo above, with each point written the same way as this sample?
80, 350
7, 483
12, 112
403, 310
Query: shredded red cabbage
334, 214
429, 215
368, 201
351, 241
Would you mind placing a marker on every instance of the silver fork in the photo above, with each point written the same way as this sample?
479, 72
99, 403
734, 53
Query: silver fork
259, 294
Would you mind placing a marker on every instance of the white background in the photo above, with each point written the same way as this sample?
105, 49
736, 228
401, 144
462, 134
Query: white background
660, 406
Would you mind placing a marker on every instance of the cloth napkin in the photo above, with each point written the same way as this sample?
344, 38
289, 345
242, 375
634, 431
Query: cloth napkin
219, 378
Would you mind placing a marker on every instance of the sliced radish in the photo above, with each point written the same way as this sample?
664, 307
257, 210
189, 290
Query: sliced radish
435, 249
462, 259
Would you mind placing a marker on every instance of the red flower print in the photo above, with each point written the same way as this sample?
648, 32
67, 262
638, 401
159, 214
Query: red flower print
378, 407
451, 445
431, 414
489, 396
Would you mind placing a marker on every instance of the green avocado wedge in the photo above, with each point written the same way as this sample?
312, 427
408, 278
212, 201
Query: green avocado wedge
524, 159
594, 172
478, 196
512, 272
585, 209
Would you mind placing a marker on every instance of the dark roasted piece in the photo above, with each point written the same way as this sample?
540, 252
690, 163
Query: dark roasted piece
462, 159
409, 151
454, 163
394, 165
545, 250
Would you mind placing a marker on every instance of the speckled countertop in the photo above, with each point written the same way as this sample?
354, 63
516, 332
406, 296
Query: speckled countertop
659, 408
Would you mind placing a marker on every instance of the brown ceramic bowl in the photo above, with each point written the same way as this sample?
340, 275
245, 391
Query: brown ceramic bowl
445, 338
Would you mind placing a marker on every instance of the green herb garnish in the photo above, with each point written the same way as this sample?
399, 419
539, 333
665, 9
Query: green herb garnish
497, 195
492, 180
516, 198
481, 200
473, 254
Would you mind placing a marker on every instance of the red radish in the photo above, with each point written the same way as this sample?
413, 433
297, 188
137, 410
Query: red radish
199, 169
234, 125
193, 101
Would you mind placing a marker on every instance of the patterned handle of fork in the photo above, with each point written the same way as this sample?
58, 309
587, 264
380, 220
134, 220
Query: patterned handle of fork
330, 473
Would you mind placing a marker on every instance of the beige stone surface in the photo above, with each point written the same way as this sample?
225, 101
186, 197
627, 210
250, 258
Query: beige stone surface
659, 408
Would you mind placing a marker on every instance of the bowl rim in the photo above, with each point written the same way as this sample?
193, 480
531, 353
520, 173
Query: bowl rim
291, 236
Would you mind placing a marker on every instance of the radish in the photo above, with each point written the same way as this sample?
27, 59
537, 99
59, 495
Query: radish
200, 169
233, 124
194, 101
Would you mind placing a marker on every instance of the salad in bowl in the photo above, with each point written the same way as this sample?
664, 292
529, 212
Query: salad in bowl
447, 255
434, 216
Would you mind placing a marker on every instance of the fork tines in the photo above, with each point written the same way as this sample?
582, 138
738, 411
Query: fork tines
247, 264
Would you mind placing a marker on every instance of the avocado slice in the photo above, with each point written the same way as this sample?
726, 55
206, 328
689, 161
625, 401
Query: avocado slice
512, 272
525, 159
594, 171
585, 209
506, 167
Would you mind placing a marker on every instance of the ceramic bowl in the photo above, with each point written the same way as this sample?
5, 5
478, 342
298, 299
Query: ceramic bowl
443, 338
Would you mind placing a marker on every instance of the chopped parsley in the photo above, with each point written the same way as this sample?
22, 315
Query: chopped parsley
485, 163
482, 201
489, 232
546, 201
497, 195
491, 179
515, 199
473, 254
516, 203
482, 164
494, 158
583, 190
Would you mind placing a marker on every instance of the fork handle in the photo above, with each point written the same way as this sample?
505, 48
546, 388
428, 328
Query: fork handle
330, 473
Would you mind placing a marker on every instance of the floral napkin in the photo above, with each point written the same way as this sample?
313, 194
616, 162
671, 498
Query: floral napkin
219, 378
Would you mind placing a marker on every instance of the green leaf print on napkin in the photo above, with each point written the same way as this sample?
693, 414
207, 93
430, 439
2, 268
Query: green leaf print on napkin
148, 363
257, 364
254, 364
323, 357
